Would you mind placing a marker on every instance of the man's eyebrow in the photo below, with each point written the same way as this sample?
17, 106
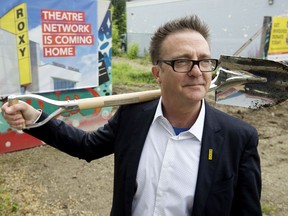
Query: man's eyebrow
188, 56
183, 56
204, 56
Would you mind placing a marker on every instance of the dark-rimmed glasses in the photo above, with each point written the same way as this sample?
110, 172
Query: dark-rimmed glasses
186, 65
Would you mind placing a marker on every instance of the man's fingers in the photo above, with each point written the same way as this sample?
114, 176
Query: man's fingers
13, 117
10, 110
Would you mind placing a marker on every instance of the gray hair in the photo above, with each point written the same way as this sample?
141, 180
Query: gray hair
177, 25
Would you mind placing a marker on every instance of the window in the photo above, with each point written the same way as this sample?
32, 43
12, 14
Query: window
63, 84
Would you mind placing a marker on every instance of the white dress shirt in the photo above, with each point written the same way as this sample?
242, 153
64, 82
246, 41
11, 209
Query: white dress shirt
168, 168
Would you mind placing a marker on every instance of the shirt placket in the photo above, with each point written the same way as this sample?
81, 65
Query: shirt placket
165, 175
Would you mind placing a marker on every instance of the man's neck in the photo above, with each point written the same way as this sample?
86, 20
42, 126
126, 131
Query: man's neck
182, 117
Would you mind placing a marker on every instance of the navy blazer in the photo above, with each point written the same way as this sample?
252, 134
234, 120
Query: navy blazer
227, 184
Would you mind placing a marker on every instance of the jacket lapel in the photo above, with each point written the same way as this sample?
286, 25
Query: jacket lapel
141, 122
210, 150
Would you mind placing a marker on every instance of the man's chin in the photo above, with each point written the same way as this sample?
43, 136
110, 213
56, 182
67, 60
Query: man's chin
197, 95
196, 89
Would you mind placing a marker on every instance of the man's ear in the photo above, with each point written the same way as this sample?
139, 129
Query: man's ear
156, 73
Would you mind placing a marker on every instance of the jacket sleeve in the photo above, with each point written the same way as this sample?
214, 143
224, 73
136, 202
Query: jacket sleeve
248, 191
77, 142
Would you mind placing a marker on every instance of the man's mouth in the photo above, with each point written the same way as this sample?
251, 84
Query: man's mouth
194, 84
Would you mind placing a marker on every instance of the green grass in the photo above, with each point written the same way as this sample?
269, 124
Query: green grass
129, 74
267, 209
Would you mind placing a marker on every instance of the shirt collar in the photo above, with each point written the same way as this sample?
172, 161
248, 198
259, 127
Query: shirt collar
197, 127
159, 112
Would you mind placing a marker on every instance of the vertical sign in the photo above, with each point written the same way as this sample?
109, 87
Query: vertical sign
15, 21
20, 14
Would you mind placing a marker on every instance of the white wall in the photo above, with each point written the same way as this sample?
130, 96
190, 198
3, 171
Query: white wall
232, 22
48, 72
9, 71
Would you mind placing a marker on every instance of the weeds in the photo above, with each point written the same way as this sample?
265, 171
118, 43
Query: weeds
267, 209
125, 73
133, 50
7, 205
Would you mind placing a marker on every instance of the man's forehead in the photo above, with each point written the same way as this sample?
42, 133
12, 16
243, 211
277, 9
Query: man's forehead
185, 42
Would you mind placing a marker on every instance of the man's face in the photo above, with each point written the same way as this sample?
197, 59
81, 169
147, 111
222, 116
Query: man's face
183, 88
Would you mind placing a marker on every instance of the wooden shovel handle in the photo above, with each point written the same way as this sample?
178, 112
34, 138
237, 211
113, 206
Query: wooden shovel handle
121, 99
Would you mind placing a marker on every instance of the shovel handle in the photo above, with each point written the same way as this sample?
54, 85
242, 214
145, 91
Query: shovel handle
116, 100
87, 103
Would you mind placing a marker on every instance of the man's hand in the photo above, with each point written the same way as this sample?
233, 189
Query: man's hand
19, 115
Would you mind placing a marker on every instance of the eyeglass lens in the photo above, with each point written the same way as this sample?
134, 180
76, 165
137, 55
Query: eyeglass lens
204, 65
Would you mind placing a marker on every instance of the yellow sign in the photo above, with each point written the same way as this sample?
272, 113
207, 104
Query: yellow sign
16, 22
278, 43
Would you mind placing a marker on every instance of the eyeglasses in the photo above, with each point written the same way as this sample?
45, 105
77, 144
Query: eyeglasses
186, 65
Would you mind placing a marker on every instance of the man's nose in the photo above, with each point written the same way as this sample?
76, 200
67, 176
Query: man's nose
195, 71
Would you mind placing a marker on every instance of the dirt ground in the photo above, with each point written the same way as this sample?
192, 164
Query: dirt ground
44, 181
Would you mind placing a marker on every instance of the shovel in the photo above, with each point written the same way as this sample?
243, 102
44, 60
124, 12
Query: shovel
251, 82
234, 75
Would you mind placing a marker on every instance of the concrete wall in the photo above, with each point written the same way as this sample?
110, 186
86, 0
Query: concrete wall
232, 22
9, 78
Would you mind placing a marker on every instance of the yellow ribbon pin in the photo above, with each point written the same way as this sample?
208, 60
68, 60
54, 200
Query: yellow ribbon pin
210, 154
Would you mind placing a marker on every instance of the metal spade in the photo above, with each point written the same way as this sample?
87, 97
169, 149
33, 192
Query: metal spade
251, 82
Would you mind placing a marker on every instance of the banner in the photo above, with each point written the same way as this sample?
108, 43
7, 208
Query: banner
48, 45
61, 49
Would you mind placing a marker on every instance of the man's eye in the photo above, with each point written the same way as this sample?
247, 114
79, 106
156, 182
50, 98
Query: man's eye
181, 62
205, 63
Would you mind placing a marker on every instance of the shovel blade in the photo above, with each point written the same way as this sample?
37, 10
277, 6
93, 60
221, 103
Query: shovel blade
253, 94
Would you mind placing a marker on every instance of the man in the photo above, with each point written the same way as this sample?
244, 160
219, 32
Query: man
176, 155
